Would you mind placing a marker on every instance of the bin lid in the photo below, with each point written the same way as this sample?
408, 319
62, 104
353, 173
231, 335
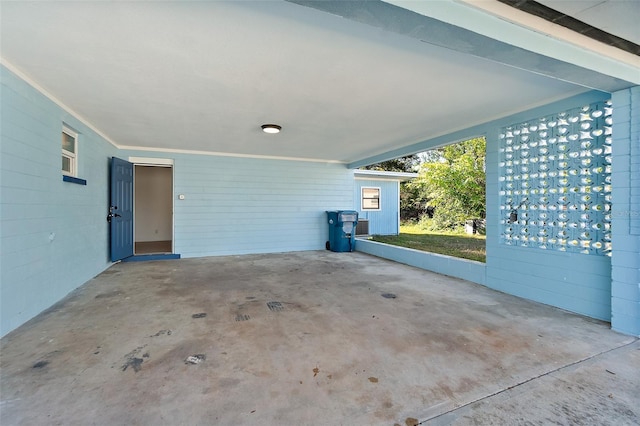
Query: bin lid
348, 216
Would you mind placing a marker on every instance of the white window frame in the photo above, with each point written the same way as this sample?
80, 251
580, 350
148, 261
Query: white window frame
73, 157
362, 198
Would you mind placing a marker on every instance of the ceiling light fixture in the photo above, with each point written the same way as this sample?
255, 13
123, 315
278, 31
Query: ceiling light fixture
271, 128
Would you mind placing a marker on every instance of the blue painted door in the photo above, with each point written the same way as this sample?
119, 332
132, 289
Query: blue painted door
121, 209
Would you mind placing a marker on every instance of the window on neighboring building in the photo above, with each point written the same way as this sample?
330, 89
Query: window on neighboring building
370, 198
69, 152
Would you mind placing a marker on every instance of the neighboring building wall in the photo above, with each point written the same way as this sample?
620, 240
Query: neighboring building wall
235, 205
386, 220
567, 279
53, 234
625, 291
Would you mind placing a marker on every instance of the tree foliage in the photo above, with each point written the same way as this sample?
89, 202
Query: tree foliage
401, 164
450, 188
411, 206
454, 183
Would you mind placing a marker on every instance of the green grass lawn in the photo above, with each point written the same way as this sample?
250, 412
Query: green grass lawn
458, 245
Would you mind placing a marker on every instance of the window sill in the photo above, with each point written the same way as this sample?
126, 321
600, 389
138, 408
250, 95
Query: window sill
72, 179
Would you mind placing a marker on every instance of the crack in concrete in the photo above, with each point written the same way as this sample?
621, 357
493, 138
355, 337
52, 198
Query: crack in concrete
524, 382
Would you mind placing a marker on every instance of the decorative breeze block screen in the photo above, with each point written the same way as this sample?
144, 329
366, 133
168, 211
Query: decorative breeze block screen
555, 181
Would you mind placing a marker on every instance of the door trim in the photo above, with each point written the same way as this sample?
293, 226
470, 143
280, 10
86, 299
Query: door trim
158, 162
151, 161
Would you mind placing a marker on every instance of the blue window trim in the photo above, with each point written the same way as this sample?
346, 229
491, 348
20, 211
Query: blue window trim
74, 180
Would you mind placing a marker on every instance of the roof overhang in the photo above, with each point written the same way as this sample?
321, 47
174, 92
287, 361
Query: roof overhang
384, 175
346, 80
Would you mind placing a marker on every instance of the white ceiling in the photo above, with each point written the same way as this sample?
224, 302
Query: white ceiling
203, 76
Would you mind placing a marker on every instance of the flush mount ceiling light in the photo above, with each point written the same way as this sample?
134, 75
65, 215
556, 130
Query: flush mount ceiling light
271, 128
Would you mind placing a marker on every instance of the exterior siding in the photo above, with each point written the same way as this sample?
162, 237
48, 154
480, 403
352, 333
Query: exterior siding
236, 205
625, 258
53, 234
386, 220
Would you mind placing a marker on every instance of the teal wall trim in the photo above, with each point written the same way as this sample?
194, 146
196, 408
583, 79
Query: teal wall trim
53, 236
625, 257
469, 270
150, 257
72, 179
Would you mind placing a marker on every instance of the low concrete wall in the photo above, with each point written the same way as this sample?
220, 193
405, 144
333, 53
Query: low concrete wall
469, 270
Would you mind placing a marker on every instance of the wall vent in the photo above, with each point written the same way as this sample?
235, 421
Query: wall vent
362, 228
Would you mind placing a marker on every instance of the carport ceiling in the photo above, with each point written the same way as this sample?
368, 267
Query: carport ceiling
340, 77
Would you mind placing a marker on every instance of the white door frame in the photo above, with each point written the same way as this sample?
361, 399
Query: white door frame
156, 162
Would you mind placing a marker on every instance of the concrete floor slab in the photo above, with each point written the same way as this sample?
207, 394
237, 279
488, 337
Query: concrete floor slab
308, 338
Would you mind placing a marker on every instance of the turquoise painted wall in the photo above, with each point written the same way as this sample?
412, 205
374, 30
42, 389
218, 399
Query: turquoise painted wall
53, 234
625, 258
236, 205
385, 221
469, 270
573, 281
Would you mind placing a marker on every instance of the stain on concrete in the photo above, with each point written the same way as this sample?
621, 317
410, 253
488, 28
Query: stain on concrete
159, 276
410, 421
135, 363
373, 379
40, 364
132, 360
113, 293
446, 390
316, 371
457, 338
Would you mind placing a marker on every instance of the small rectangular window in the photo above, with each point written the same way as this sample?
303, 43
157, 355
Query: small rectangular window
69, 152
370, 198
